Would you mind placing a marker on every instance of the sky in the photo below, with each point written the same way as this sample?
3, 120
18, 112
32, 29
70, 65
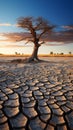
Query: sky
58, 12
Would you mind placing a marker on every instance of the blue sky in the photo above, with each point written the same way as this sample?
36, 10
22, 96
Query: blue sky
59, 12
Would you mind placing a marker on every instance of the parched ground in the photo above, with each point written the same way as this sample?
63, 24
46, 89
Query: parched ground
36, 96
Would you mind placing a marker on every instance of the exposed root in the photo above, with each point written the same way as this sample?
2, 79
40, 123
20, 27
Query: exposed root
26, 60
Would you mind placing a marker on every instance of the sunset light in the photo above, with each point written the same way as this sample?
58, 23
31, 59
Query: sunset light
58, 13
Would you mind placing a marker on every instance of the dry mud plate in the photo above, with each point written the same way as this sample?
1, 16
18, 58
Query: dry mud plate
36, 96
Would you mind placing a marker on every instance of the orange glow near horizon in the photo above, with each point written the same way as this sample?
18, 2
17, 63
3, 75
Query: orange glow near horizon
9, 47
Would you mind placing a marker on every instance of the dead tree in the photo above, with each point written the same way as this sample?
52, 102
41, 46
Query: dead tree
38, 29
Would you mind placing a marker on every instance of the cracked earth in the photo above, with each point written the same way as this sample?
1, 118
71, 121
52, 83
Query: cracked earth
36, 96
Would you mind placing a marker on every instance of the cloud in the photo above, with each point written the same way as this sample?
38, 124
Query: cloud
16, 37
61, 37
55, 38
5, 24
10, 46
11, 40
68, 27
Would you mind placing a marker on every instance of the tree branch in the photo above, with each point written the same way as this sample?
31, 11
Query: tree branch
29, 41
47, 29
42, 42
42, 34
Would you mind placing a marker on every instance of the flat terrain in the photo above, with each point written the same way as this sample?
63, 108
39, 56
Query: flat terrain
36, 96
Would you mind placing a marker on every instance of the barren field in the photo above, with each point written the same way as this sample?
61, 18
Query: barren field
36, 96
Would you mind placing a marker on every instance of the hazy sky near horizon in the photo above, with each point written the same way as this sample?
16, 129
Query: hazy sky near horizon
59, 12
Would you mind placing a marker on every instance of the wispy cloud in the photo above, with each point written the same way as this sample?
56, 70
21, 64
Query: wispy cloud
15, 37
11, 40
5, 24
56, 38
8, 24
68, 27
10, 46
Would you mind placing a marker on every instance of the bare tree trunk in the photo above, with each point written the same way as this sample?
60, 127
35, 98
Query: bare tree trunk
34, 56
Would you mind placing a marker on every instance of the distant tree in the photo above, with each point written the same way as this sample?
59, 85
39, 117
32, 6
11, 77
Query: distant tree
70, 53
51, 53
38, 29
1, 54
16, 53
62, 53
